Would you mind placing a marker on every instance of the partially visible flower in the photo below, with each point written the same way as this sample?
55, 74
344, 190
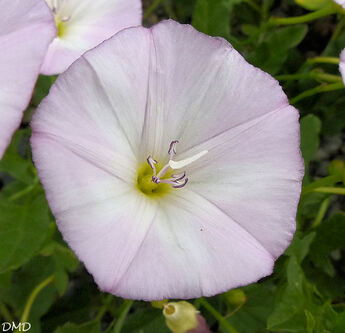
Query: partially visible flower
183, 317
342, 64
83, 24
26, 29
174, 169
340, 2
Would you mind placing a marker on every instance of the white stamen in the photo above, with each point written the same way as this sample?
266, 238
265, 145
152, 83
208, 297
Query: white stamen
180, 185
179, 176
172, 148
56, 6
152, 163
65, 19
176, 180
186, 161
163, 171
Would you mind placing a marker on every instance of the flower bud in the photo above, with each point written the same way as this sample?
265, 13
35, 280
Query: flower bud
159, 304
235, 297
180, 317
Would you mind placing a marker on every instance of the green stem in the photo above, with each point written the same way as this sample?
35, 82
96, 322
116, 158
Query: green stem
126, 307
22, 193
104, 307
218, 316
310, 75
324, 60
304, 18
323, 182
338, 29
326, 77
317, 90
265, 8
234, 311
253, 5
53, 79
331, 190
291, 77
321, 213
149, 10
339, 305
33, 296
5, 313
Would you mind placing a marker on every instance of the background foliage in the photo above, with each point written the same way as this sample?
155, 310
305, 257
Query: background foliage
41, 279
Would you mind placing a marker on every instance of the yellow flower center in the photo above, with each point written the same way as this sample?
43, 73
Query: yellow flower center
147, 186
61, 27
154, 179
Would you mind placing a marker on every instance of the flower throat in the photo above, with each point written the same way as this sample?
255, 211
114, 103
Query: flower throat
60, 21
154, 181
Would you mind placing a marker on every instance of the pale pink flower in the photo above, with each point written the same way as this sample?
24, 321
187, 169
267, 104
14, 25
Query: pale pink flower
117, 111
340, 2
342, 64
26, 29
83, 24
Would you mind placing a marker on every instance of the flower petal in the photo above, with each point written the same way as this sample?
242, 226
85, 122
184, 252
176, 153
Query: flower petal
107, 114
253, 172
192, 249
197, 80
340, 2
122, 67
101, 217
89, 23
141, 90
342, 64
26, 29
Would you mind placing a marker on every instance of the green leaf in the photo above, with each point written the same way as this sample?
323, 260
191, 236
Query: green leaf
310, 130
23, 229
340, 323
310, 321
42, 88
249, 29
92, 327
332, 108
272, 52
288, 314
5, 280
14, 164
300, 247
212, 17
184, 9
231, 3
295, 300
329, 237
313, 4
65, 261
253, 315
146, 320
24, 282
